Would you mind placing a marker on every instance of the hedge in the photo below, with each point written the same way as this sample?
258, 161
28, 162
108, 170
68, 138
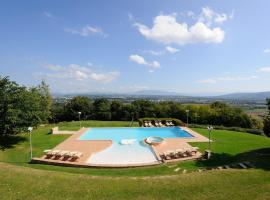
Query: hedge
177, 122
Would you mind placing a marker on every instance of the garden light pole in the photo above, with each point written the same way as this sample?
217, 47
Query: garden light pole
30, 129
210, 128
80, 118
187, 111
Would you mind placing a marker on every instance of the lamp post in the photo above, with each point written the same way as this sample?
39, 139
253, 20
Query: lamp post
80, 118
187, 111
30, 129
210, 128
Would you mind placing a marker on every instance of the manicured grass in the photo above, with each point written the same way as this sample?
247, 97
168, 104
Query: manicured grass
20, 180
228, 147
26, 183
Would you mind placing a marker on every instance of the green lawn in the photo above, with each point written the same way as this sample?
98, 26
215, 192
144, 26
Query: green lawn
21, 180
25, 183
228, 147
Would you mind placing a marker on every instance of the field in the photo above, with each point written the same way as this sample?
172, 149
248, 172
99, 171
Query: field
21, 180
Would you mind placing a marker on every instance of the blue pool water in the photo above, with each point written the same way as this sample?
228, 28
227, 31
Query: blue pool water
117, 134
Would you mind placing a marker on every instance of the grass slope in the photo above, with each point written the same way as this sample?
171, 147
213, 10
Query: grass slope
25, 183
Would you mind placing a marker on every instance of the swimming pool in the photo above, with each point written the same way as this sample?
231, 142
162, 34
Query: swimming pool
133, 153
118, 134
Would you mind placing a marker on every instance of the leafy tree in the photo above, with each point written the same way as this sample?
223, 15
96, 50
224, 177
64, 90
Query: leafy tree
45, 101
19, 107
102, 109
78, 104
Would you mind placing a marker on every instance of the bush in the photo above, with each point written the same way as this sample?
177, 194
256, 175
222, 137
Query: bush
177, 122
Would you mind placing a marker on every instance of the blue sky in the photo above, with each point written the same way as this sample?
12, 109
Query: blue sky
185, 46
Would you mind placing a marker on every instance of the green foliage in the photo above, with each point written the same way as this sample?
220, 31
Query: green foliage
45, 101
176, 122
21, 107
217, 113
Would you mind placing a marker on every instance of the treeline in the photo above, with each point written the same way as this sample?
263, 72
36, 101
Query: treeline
21, 107
217, 113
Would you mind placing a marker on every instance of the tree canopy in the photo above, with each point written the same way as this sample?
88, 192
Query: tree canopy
21, 107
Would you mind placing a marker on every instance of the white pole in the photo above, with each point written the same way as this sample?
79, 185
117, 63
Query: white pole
30, 129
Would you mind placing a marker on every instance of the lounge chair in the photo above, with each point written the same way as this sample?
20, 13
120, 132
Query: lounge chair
75, 155
167, 123
171, 123
150, 124
146, 124
157, 124
160, 124
179, 152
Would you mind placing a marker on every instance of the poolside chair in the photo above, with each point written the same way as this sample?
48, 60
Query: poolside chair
167, 123
194, 150
171, 123
146, 124
150, 124
165, 155
171, 154
76, 155
189, 152
160, 124
179, 152
157, 124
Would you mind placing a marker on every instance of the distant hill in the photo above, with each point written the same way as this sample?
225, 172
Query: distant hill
155, 92
257, 96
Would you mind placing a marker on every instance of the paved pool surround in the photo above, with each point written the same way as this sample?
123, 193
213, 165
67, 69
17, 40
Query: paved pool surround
102, 153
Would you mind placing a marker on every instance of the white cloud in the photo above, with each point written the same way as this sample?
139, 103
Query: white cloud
228, 78
155, 53
209, 16
264, 69
104, 77
138, 59
171, 49
86, 31
74, 72
167, 30
266, 51
141, 61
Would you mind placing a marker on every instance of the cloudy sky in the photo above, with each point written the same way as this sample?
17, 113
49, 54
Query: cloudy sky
185, 46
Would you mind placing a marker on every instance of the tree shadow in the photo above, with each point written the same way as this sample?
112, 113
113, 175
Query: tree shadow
259, 158
9, 141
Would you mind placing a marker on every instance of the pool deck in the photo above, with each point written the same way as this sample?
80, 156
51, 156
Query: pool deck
90, 147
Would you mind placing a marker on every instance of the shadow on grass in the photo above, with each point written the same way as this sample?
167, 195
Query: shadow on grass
260, 158
9, 141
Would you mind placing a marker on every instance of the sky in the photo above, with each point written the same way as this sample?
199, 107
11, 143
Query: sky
184, 46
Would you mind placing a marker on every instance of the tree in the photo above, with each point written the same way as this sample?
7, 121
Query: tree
19, 107
45, 101
266, 127
102, 109
78, 104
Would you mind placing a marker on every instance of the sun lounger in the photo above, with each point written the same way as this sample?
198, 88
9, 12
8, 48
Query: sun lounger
75, 155
160, 124
150, 124
146, 124
171, 123
157, 124
167, 123
179, 152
